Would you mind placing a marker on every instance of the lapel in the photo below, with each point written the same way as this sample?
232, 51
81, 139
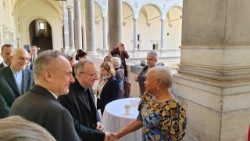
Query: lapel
11, 80
25, 77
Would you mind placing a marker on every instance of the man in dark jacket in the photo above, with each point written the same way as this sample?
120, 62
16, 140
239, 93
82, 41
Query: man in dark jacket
6, 54
80, 101
52, 73
15, 80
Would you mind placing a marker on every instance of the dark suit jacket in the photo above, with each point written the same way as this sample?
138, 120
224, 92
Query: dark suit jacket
1, 65
110, 92
9, 90
142, 79
41, 107
85, 118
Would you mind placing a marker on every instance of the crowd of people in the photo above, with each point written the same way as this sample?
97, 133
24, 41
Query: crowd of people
56, 91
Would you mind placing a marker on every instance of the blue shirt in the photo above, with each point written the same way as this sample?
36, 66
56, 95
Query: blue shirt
18, 78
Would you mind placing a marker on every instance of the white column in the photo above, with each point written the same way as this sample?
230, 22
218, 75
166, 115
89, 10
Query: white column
115, 22
163, 32
77, 21
65, 27
90, 26
105, 33
71, 28
135, 33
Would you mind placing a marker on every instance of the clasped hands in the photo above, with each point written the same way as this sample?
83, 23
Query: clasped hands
110, 136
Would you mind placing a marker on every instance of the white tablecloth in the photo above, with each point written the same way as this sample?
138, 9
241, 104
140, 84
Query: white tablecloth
114, 117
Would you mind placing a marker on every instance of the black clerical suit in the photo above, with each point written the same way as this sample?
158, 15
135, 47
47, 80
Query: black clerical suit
80, 103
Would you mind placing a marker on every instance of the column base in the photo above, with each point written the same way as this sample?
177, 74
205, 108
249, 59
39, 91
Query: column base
216, 111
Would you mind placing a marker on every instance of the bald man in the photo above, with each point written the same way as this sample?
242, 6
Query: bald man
15, 80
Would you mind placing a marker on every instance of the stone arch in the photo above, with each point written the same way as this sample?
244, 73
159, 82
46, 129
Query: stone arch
21, 3
47, 20
150, 3
149, 26
173, 25
100, 6
130, 6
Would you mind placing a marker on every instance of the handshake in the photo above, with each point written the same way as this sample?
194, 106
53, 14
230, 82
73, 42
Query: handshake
111, 136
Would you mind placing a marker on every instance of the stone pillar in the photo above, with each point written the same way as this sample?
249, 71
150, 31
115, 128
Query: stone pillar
71, 29
77, 22
65, 27
213, 78
105, 33
135, 33
115, 22
163, 32
90, 26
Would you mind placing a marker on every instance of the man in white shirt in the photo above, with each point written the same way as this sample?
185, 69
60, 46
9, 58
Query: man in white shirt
5, 53
15, 80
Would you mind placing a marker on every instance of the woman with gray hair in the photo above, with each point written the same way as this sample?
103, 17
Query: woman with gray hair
116, 61
15, 128
152, 58
161, 116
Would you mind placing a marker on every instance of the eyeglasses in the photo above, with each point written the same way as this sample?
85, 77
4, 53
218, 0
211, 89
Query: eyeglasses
92, 75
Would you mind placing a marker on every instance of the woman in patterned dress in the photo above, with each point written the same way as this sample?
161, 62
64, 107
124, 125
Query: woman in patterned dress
161, 116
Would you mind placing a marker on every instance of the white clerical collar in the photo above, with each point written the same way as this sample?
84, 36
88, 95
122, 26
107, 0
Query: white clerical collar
53, 94
4, 64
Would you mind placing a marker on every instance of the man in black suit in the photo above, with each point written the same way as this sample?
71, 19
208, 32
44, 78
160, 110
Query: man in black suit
5, 53
15, 80
53, 75
33, 55
80, 101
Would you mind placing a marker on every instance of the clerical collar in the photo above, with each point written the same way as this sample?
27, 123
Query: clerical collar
4, 64
53, 94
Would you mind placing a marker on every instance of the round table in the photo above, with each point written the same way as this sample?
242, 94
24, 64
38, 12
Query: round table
114, 117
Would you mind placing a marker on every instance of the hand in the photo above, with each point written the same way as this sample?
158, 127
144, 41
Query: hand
110, 137
99, 126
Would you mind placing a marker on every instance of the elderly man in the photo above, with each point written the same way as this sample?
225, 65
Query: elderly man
6, 53
53, 75
15, 80
80, 101
152, 58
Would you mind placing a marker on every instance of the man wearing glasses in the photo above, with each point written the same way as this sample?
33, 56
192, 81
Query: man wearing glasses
15, 80
81, 105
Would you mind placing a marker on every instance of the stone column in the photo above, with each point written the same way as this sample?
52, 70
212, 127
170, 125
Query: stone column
163, 32
71, 30
105, 33
213, 78
65, 27
135, 33
90, 26
77, 22
115, 22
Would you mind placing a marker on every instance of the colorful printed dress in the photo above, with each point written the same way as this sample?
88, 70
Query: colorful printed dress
162, 121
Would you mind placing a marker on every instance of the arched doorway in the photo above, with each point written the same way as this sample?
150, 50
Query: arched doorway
40, 34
